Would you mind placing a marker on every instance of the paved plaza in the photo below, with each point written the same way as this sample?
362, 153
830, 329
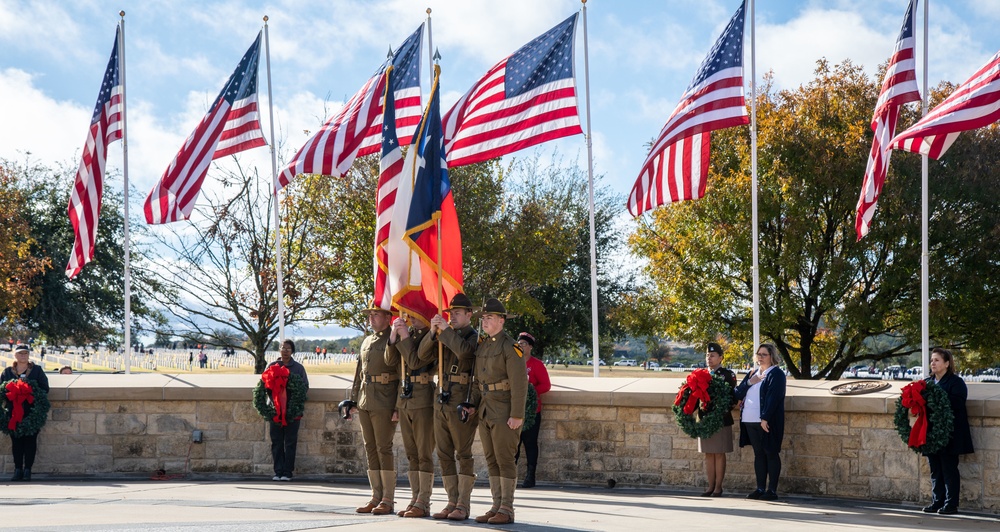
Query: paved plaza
265, 506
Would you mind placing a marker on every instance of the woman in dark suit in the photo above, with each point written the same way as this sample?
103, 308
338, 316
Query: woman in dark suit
720, 443
945, 478
762, 423
24, 447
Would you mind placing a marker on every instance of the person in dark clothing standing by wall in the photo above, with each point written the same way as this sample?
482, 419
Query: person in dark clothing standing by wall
285, 439
538, 377
24, 447
945, 479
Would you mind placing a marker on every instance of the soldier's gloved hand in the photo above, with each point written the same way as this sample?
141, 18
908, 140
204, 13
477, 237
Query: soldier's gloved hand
514, 423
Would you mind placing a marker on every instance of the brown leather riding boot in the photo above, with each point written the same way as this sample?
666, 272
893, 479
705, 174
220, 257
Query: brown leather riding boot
451, 488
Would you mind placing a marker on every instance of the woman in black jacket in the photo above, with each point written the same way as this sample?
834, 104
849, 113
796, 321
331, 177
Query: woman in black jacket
762, 423
716, 446
24, 447
945, 478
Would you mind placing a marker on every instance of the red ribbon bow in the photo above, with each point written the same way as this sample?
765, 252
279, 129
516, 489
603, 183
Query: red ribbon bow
697, 382
276, 379
913, 399
17, 393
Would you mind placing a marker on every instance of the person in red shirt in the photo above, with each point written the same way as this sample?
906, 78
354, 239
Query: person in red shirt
539, 378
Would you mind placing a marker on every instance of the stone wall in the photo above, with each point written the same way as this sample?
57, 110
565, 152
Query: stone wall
593, 431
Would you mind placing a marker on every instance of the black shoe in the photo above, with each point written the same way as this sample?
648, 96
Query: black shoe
769, 496
27, 474
756, 494
18, 475
948, 510
529, 478
933, 508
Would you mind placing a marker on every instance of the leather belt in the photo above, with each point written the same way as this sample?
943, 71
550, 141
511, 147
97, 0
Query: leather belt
423, 378
462, 378
384, 378
501, 386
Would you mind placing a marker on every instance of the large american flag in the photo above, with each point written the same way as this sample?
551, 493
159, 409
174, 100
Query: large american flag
677, 165
85, 201
526, 99
357, 128
974, 104
231, 126
899, 87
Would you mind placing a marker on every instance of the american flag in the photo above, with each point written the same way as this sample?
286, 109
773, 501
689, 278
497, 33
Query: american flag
974, 104
526, 99
899, 87
356, 130
232, 125
85, 201
677, 165
390, 171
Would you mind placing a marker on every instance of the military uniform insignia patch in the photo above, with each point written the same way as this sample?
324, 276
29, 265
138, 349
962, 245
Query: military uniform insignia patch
520, 353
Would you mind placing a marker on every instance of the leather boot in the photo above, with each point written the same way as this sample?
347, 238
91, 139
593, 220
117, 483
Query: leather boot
385, 506
495, 490
451, 488
505, 514
422, 506
529, 478
465, 485
18, 475
375, 480
414, 478
27, 474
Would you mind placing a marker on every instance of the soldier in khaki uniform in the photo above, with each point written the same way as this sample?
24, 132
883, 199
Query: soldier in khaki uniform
416, 412
376, 387
501, 373
455, 438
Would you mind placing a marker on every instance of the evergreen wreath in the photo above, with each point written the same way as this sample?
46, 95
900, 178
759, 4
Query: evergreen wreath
35, 414
296, 390
704, 423
940, 420
530, 408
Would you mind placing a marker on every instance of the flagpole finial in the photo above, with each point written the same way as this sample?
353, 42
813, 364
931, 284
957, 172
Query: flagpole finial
428, 11
584, 2
265, 19
389, 55
437, 55
121, 13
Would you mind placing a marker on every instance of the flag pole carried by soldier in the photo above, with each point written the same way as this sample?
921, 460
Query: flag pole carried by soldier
376, 386
416, 411
501, 373
454, 435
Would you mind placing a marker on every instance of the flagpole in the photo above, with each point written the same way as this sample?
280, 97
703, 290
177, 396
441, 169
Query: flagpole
753, 172
274, 173
590, 189
128, 266
925, 338
430, 48
436, 72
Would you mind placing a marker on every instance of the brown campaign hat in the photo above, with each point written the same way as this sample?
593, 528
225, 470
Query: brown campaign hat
372, 307
460, 301
494, 306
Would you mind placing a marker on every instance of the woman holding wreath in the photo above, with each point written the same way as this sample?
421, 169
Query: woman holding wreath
25, 446
716, 446
945, 478
762, 423
285, 435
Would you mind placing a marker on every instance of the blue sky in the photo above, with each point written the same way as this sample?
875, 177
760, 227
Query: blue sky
643, 54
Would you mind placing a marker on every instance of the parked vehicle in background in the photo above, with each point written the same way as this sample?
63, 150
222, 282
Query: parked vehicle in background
629, 362
916, 372
675, 366
652, 364
591, 363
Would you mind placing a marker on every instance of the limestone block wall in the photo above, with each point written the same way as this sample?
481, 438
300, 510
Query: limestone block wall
593, 431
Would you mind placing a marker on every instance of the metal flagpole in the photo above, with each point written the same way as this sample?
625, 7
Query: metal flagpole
925, 321
274, 173
753, 172
128, 266
590, 188
430, 48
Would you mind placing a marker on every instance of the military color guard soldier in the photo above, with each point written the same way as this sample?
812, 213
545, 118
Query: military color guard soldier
501, 374
455, 438
416, 412
376, 387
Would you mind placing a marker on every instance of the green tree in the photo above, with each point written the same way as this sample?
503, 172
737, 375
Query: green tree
19, 269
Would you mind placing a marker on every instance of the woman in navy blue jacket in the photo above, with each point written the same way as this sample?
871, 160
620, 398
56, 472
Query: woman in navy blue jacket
945, 479
762, 423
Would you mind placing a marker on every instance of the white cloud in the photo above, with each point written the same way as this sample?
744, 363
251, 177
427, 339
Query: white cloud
40, 27
38, 124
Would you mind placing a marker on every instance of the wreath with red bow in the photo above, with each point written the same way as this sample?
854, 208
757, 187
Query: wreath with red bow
280, 396
933, 421
701, 404
25, 407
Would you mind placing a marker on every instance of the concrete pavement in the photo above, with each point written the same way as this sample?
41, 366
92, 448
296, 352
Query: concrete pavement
57, 504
